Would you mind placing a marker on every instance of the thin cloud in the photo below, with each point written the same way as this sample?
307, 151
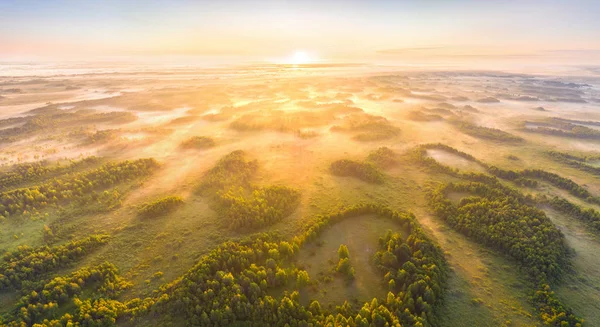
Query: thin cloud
408, 50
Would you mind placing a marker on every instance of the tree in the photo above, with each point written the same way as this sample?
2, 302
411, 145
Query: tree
343, 252
303, 279
315, 307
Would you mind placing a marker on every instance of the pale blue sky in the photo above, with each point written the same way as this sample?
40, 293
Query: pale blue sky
273, 28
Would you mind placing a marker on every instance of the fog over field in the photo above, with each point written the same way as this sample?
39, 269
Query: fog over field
300, 163
233, 152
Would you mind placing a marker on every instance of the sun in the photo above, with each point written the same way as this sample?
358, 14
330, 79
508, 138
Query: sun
300, 58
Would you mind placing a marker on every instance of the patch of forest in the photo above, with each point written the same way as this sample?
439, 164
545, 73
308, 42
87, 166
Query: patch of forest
31, 265
419, 155
588, 215
198, 142
552, 178
525, 177
80, 186
383, 157
364, 171
160, 207
502, 219
487, 133
579, 162
243, 204
262, 206
414, 269
366, 128
96, 137
90, 292
236, 278
563, 127
20, 174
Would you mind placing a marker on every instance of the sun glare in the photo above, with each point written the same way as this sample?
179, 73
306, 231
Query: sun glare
300, 58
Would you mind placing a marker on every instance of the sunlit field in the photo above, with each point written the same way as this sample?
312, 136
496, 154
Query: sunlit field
203, 192
300, 163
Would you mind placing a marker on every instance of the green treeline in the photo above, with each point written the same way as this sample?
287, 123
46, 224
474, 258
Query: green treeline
368, 170
263, 206
524, 177
36, 171
12, 134
231, 170
79, 186
511, 216
554, 179
564, 128
231, 286
28, 264
502, 219
160, 207
587, 215
243, 204
402, 275
575, 121
521, 178
421, 151
364, 171
100, 136
89, 291
577, 162
487, 133
236, 277
419, 155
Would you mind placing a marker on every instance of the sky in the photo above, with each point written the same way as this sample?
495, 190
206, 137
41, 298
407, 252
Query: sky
324, 29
